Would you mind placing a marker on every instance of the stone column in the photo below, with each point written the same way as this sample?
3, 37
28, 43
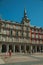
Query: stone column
25, 48
36, 49
40, 48
14, 48
0, 48
30, 48
7, 48
20, 48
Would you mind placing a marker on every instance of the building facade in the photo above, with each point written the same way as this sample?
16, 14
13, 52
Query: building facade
20, 37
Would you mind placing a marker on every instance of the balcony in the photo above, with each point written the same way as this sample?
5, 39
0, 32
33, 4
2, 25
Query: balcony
36, 32
33, 42
18, 40
40, 42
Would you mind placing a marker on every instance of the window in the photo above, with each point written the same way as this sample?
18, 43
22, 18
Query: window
29, 34
3, 38
7, 38
32, 41
10, 32
36, 35
16, 33
19, 27
13, 39
19, 33
10, 39
37, 41
24, 33
36, 31
32, 30
7, 25
11, 26
24, 28
32, 35
40, 36
27, 28
4, 31
42, 31
25, 40
13, 32
14, 26
7, 32
3, 24
40, 41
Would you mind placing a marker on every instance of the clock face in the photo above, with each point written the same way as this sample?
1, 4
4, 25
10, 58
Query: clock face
26, 23
26, 20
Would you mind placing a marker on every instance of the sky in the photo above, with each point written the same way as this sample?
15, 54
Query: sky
14, 10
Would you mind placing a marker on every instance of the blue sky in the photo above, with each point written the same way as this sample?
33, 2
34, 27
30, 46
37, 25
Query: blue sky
14, 10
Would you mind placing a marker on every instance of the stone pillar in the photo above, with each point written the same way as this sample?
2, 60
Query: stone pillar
0, 48
7, 48
25, 48
40, 48
30, 48
14, 48
36, 49
20, 48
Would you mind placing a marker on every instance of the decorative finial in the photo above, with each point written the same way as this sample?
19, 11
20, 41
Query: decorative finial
25, 14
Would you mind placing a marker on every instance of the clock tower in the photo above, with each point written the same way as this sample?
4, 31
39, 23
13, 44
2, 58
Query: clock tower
25, 19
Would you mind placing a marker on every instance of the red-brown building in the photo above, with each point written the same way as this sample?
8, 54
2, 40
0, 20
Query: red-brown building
20, 37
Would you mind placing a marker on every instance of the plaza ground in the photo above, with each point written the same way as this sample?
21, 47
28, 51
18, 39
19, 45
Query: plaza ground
22, 59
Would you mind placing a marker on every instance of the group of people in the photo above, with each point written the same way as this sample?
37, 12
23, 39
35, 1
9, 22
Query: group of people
8, 53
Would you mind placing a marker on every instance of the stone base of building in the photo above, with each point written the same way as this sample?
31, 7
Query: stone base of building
21, 48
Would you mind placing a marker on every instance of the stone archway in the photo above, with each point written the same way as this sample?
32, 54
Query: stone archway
22, 48
34, 50
4, 48
27, 48
41, 48
11, 47
38, 50
17, 48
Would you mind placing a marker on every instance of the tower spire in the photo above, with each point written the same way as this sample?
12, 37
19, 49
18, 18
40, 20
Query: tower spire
25, 14
25, 18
